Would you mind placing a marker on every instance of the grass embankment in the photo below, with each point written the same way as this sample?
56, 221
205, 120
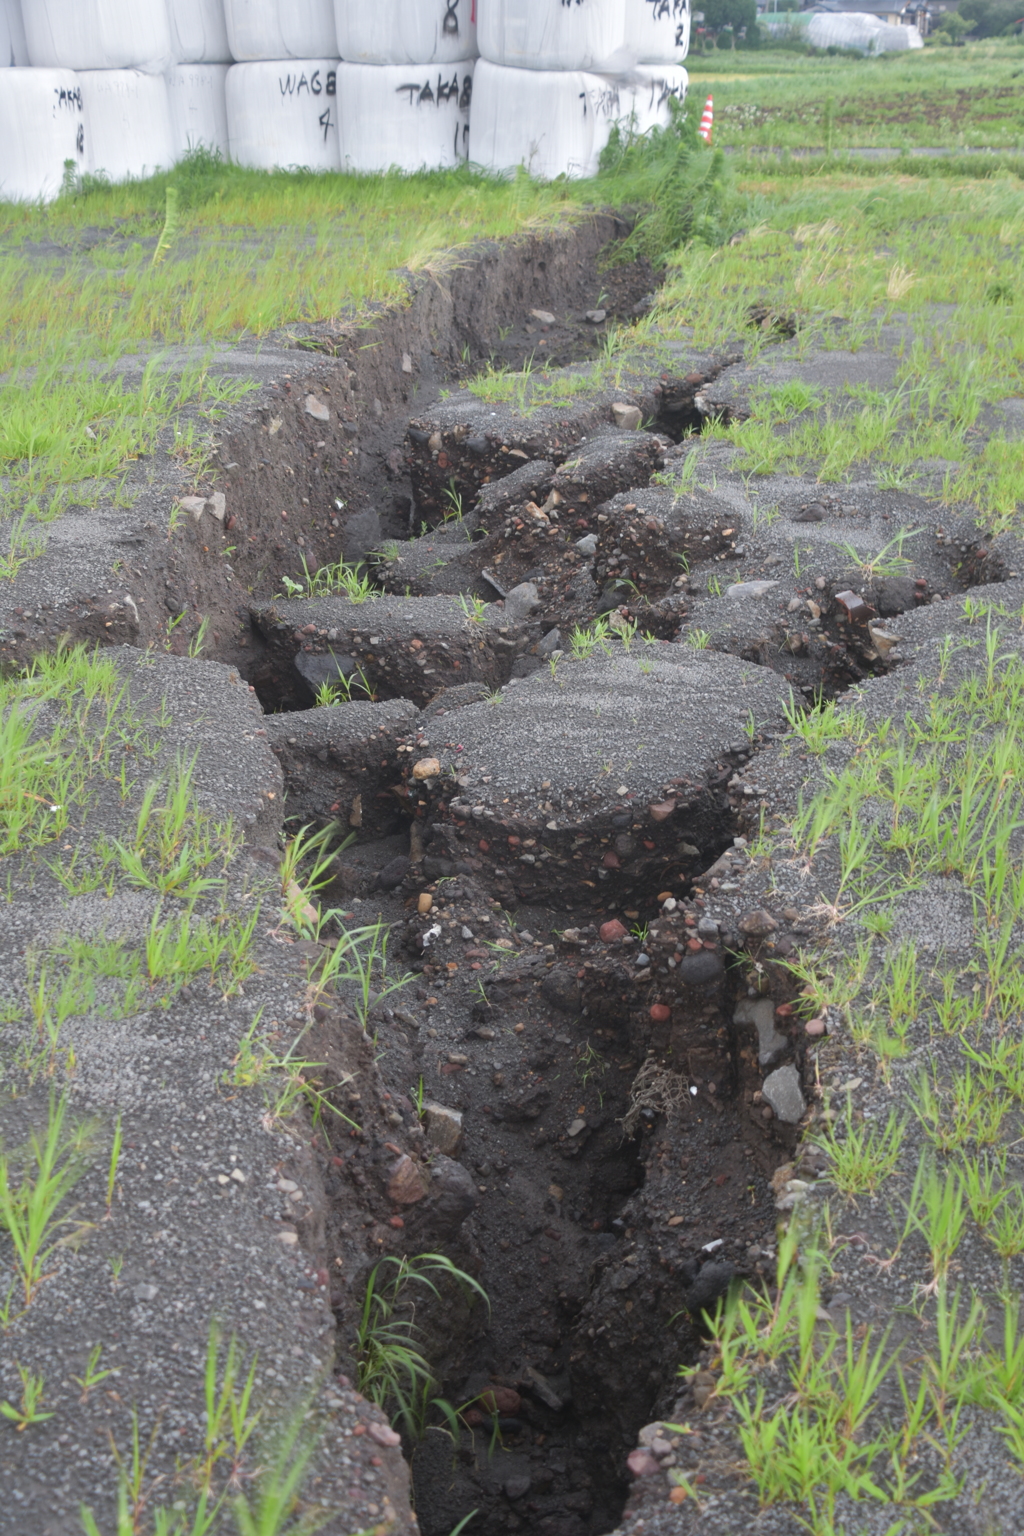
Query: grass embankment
957, 98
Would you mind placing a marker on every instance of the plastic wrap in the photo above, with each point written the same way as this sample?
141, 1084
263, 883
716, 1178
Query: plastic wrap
548, 34
545, 120
281, 29
412, 117
198, 107
284, 114
657, 31
127, 122
406, 31
556, 122
41, 126
98, 34
13, 47
199, 33
859, 30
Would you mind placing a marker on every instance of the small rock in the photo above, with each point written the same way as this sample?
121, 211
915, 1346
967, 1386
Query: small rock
521, 601
383, 1434
426, 768
814, 1027
588, 544
660, 1013
782, 1090
424, 903
757, 924
467, 933
610, 931
317, 409
406, 1182
517, 1487
596, 316
700, 969
238, 1175
543, 315
577, 1126
406, 362
194, 504
649, 1434
761, 1013
501, 1400
750, 588
443, 1127
815, 513
707, 928
628, 417
144, 1292
641, 1463
544, 1390
661, 810
393, 873
217, 505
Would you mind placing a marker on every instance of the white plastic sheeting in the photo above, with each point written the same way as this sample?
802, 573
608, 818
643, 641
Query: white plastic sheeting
406, 31
657, 31
41, 126
644, 96
13, 47
199, 33
284, 113
556, 122
198, 107
412, 117
549, 34
127, 122
98, 34
281, 29
857, 29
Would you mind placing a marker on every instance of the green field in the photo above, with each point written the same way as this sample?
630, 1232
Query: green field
953, 98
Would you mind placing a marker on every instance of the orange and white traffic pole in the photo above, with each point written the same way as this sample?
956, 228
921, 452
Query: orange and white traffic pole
707, 118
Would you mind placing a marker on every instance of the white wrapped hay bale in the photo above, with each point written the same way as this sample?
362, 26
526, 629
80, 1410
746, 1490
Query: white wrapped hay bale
98, 34
284, 113
41, 126
13, 47
549, 34
657, 31
127, 122
199, 33
556, 122
645, 93
406, 31
410, 117
544, 120
198, 106
281, 29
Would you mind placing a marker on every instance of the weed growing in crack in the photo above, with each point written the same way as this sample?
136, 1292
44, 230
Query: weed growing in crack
352, 582
391, 1369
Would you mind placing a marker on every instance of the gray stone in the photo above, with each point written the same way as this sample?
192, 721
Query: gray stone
699, 970
628, 417
750, 588
521, 601
707, 928
588, 544
317, 409
760, 1012
550, 643
443, 1127
782, 1091
596, 316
